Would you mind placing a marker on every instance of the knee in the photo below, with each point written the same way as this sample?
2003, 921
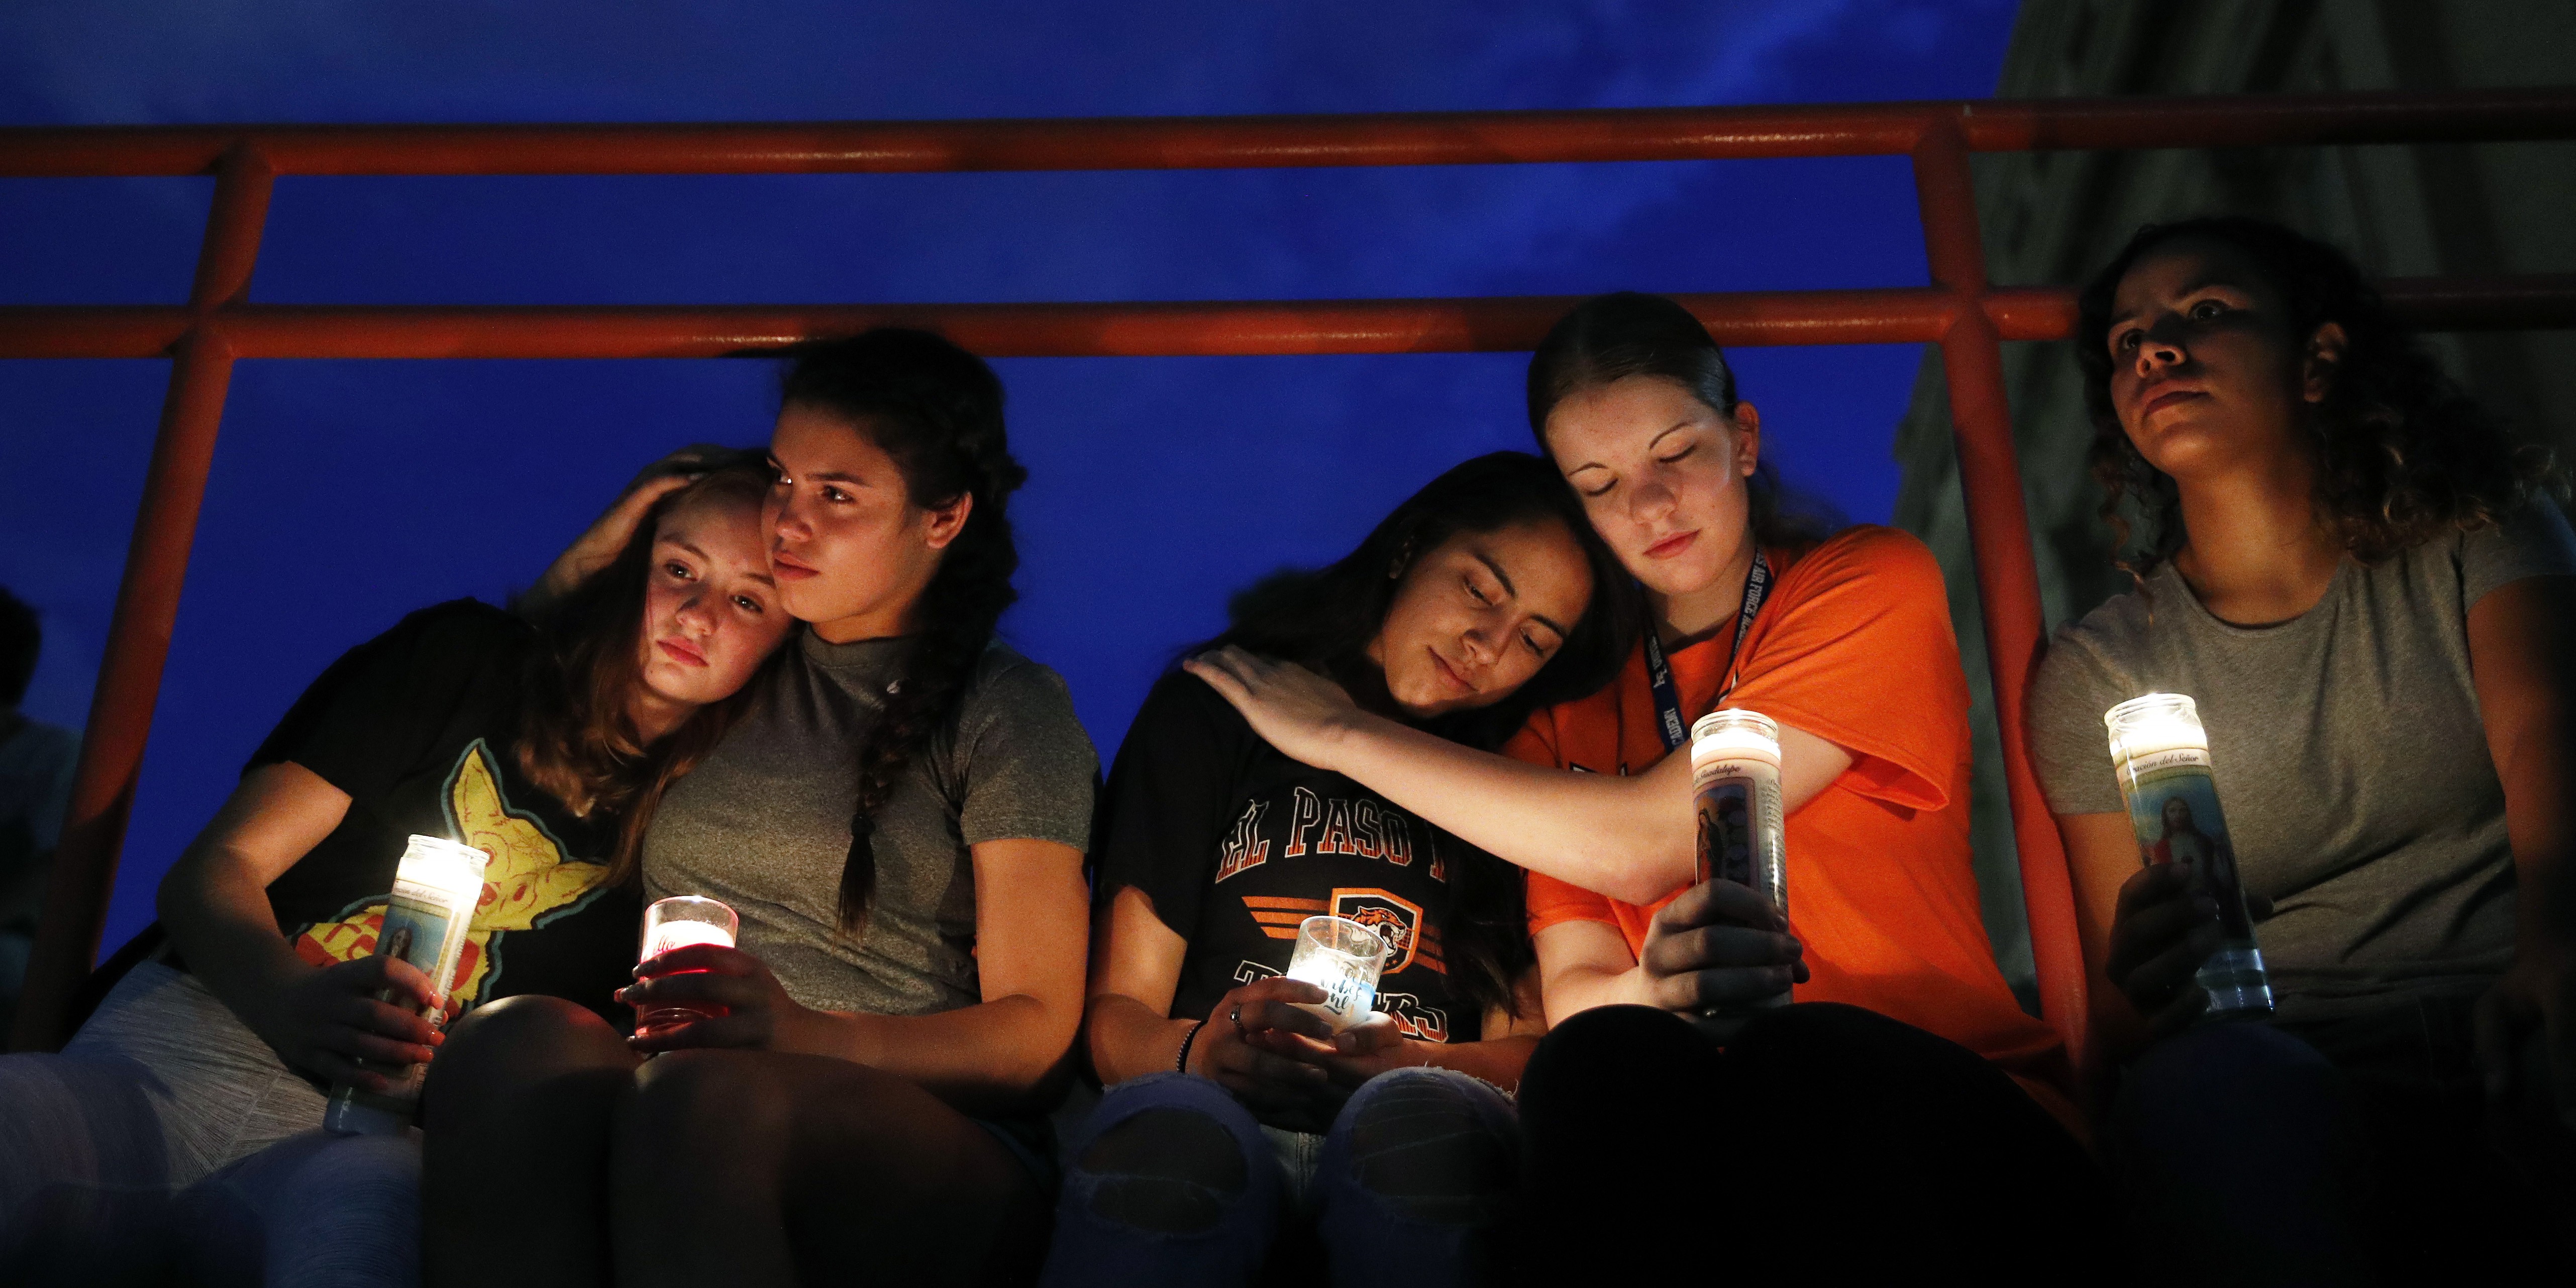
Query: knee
688, 1091
377, 1172
532, 1032
498, 1051
2227, 1079
64, 1119
1604, 1055
1175, 1157
1436, 1145
348, 1214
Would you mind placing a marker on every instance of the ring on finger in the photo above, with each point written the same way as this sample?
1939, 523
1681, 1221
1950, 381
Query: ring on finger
1235, 1018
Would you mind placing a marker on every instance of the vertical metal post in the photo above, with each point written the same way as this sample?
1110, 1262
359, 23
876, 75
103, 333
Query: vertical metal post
147, 606
2007, 571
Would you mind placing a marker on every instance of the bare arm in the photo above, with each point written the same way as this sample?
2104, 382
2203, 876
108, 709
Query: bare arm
989, 1057
2522, 644
1029, 937
1584, 964
2102, 856
1136, 969
1718, 944
214, 903
1625, 837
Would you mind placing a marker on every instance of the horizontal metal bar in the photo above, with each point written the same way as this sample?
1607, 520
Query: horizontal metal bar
1233, 142
1155, 329
2530, 302
996, 330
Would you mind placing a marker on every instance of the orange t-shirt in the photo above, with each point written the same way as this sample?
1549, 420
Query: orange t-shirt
1854, 646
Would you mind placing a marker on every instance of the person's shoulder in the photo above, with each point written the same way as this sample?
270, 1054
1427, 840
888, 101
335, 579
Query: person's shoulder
1181, 702
459, 636
2091, 654
1005, 675
1874, 551
1889, 562
2531, 539
1008, 685
2118, 627
469, 623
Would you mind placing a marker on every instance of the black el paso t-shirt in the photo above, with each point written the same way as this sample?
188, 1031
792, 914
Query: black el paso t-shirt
1236, 844
416, 726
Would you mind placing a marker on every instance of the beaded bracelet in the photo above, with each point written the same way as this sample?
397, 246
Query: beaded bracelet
1182, 1064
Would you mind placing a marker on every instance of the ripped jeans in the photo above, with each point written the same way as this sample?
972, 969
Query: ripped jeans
1172, 1181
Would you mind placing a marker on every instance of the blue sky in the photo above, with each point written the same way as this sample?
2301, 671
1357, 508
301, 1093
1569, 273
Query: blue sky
347, 493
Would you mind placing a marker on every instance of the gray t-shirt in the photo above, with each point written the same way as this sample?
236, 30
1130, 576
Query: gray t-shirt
764, 822
2350, 757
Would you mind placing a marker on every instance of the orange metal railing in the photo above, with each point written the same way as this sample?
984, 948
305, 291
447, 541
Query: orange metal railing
1961, 311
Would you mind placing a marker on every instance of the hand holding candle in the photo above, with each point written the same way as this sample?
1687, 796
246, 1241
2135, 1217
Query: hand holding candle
679, 922
427, 916
2160, 753
1343, 958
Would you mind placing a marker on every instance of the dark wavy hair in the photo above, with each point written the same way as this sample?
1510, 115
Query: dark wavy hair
937, 410
1608, 338
575, 738
1325, 618
2403, 453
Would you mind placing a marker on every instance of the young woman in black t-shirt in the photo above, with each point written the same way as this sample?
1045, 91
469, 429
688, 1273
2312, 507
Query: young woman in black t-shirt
545, 744
1482, 597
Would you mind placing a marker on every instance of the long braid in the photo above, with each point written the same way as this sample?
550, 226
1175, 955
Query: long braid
959, 611
937, 411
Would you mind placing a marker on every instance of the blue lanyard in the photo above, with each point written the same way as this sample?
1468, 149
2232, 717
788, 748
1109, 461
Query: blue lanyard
1659, 672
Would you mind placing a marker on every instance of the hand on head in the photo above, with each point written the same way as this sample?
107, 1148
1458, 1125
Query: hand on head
599, 545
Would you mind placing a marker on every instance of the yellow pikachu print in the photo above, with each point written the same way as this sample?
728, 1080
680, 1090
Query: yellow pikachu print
528, 882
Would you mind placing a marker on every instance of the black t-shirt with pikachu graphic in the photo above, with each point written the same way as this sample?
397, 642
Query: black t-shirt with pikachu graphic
416, 726
1236, 844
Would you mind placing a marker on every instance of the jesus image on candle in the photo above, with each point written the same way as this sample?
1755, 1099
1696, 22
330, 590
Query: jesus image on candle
2184, 843
2205, 861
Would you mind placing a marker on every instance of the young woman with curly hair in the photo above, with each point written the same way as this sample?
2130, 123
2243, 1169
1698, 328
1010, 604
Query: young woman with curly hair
2366, 587
899, 820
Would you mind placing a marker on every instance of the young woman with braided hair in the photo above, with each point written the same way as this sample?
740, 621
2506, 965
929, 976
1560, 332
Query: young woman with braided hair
899, 819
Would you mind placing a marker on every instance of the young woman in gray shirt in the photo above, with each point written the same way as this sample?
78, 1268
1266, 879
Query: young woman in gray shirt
2366, 587
899, 821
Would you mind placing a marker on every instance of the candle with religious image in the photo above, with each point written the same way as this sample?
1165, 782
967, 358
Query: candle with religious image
2161, 755
1735, 786
678, 922
437, 885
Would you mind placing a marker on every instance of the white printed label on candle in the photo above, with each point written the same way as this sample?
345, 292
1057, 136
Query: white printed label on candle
2167, 759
